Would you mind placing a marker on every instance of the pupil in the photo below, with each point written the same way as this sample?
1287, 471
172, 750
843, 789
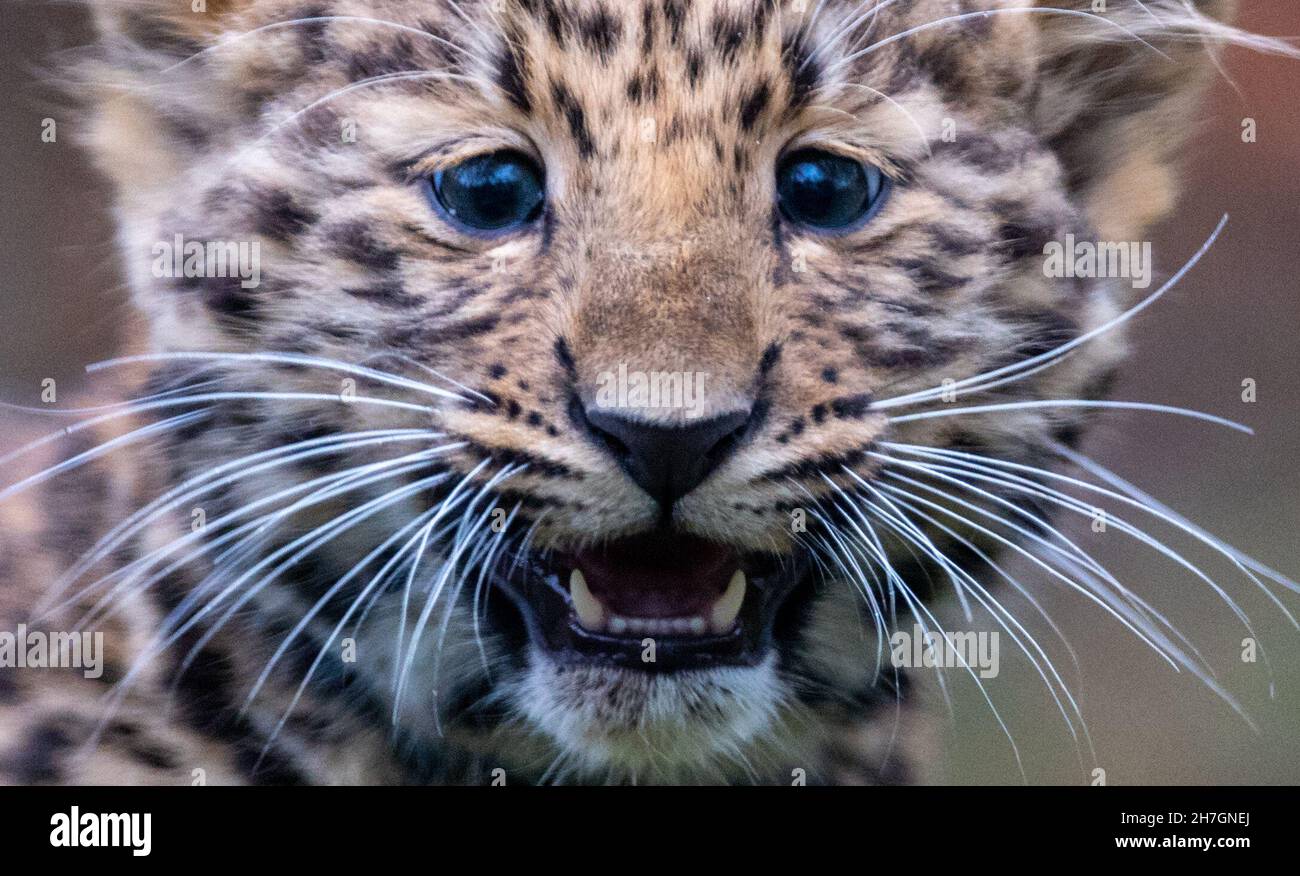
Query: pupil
490, 192
826, 191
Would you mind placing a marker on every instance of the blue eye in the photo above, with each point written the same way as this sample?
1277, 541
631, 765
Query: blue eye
491, 192
824, 190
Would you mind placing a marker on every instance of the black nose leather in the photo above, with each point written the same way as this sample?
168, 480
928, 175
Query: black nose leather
667, 461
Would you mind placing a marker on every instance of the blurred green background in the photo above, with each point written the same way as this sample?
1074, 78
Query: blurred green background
1236, 316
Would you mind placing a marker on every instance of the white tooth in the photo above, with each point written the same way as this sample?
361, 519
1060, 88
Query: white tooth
723, 615
696, 626
618, 625
591, 614
681, 626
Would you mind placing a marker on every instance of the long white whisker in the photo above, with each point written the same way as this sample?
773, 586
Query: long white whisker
335, 483
314, 539
100, 450
453, 498
1144, 503
1125, 612
109, 406
1147, 636
449, 565
485, 567
298, 548
244, 466
999, 613
1154, 506
283, 359
1054, 355
921, 613
320, 604
1075, 403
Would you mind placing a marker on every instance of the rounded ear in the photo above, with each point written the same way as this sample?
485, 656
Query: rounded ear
1118, 85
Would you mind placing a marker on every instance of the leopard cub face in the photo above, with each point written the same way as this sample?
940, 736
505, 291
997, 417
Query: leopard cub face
612, 312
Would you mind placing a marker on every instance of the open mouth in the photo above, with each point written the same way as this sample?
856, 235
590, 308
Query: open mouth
701, 603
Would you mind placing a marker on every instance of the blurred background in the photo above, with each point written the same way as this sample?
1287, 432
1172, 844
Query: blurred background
1237, 316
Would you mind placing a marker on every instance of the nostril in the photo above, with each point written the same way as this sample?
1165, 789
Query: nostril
611, 442
730, 440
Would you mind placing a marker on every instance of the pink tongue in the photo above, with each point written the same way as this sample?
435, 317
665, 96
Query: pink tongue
658, 575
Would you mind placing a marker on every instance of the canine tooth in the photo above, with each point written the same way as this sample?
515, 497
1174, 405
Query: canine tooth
591, 614
618, 625
723, 615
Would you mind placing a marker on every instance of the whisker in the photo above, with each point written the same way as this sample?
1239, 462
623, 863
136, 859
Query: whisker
1051, 677
335, 483
1143, 503
1054, 355
846, 555
314, 19
1156, 507
444, 507
1076, 403
94, 453
402, 357
311, 613
384, 78
1167, 650
449, 564
966, 16
283, 359
309, 543
925, 138
999, 613
921, 613
843, 30
488, 564
313, 539
94, 409
244, 466
1125, 612
327, 530
1034, 558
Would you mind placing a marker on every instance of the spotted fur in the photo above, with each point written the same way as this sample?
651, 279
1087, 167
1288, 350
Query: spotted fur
659, 123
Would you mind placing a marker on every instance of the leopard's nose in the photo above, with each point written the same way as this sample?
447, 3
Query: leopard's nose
667, 461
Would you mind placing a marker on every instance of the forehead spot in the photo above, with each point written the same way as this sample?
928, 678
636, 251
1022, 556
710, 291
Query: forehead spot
601, 32
753, 105
575, 116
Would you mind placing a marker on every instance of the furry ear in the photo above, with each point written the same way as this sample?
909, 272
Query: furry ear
166, 27
1118, 85
147, 113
